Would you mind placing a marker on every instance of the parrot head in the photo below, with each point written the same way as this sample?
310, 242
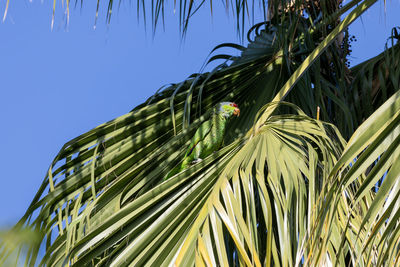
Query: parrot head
228, 109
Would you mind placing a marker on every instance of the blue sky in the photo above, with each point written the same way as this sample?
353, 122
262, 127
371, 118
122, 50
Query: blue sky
57, 84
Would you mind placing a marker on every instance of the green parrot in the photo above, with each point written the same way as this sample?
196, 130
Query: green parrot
208, 138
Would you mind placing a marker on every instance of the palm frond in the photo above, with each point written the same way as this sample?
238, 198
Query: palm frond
262, 202
369, 216
97, 174
284, 189
375, 80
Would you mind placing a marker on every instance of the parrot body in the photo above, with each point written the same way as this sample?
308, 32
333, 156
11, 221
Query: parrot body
208, 138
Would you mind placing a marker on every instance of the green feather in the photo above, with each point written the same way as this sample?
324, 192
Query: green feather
207, 139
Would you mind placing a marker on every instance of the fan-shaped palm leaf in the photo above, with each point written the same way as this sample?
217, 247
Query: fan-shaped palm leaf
280, 192
373, 154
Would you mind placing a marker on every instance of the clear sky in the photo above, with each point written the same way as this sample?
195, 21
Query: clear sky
57, 84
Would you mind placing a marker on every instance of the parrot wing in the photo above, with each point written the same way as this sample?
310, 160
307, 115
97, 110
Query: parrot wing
199, 136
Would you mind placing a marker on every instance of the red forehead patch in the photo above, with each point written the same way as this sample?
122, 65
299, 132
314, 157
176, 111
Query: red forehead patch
234, 105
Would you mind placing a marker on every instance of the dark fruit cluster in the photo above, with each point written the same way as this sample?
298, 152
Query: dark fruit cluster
346, 46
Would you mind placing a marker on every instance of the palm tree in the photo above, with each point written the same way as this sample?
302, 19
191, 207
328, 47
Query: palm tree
308, 174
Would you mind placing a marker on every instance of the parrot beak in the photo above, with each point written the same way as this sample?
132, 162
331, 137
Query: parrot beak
236, 112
